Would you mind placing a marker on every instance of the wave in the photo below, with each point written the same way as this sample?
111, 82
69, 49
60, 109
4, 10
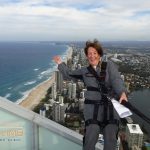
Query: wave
7, 95
36, 69
40, 77
24, 96
48, 71
30, 82
26, 93
43, 76
45, 72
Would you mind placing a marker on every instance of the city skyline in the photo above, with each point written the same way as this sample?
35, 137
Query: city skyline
60, 20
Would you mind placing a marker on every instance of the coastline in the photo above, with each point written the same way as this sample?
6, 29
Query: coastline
36, 95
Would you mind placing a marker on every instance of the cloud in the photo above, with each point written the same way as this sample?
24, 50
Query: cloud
74, 20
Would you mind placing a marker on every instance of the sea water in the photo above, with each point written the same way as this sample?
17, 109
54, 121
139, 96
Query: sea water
24, 65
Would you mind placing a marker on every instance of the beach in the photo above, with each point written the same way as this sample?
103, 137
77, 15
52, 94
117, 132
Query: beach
37, 94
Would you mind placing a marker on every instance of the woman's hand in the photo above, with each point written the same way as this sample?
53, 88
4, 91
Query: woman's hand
57, 60
123, 97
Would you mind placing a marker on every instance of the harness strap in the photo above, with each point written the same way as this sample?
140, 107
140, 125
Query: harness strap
105, 113
105, 99
95, 113
91, 121
114, 121
111, 113
76, 76
90, 88
104, 91
101, 124
95, 102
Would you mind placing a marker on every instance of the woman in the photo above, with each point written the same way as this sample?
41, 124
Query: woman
96, 104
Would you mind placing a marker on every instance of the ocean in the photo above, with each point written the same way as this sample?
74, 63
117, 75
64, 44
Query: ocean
24, 65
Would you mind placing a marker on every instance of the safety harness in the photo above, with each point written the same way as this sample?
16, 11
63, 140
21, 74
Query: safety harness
108, 107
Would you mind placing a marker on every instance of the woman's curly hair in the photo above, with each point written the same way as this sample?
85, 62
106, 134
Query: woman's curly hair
95, 44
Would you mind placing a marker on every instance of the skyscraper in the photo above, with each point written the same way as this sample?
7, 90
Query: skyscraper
59, 80
62, 112
69, 90
134, 136
54, 91
74, 88
58, 112
81, 104
61, 99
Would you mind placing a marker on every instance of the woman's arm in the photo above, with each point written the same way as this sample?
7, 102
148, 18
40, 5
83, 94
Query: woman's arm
116, 82
67, 73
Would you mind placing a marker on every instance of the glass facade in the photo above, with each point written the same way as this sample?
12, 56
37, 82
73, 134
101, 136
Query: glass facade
17, 133
50, 140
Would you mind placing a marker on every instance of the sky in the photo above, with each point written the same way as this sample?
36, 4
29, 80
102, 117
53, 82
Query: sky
74, 20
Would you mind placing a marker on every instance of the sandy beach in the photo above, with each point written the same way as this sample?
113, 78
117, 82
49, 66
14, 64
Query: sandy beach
36, 95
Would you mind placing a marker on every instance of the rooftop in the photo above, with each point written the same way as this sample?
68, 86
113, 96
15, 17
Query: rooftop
134, 128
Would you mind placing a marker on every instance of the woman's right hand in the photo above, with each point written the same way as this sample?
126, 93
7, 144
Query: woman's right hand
57, 60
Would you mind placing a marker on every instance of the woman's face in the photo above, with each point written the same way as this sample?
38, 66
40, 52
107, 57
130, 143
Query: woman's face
93, 56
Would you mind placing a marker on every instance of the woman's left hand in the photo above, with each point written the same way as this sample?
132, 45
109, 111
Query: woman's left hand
123, 97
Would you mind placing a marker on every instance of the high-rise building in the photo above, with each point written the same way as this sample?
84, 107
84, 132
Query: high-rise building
82, 94
61, 99
74, 88
135, 148
80, 85
51, 101
64, 91
79, 66
75, 59
69, 54
58, 112
116, 55
84, 91
105, 58
69, 90
54, 93
134, 136
59, 80
43, 111
127, 84
62, 112
47, 106
81, 104
64, 84
122, 76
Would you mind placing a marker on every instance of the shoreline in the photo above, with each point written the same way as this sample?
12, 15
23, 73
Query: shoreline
37, 94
